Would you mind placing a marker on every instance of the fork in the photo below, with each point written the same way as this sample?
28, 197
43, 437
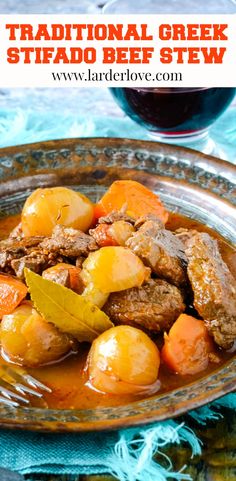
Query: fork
17, 387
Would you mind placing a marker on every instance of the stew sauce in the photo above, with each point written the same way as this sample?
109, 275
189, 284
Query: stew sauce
67, 378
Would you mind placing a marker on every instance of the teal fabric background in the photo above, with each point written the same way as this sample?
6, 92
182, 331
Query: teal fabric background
126, 454
29, 118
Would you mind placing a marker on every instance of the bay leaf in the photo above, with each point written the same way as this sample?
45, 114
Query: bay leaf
68, 311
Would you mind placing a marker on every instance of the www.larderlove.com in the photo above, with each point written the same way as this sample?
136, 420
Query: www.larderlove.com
111, 75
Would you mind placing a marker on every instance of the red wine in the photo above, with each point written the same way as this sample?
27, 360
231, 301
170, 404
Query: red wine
174, 111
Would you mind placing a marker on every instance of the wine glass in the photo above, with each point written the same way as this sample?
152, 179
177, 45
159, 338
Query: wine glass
181, 116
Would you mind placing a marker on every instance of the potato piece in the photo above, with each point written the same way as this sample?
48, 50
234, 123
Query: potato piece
45, 208
114, 268
121, 231
29, 340
97, 297
123, 360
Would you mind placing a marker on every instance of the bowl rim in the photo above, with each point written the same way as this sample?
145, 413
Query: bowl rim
38, 419
168, 148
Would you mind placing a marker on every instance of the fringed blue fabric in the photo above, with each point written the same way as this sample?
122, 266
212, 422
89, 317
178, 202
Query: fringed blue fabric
134, 454
212, 411
132, 459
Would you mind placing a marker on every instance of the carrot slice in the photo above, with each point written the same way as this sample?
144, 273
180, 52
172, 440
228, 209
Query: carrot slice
134, 198
12, 292
76, 283
103, 237
187, 346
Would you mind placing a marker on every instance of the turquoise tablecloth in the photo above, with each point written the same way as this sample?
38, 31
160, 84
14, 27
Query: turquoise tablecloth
34, 115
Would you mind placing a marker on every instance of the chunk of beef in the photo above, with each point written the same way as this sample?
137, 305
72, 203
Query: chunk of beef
115, 216
5, 261
79, 261
12, 248
112, 234
154, 306
36, 261
66, 275
69, 242
185, 234
61, 276
16, 233
12, 244
154, 221
161, 250
39, 253
214, 288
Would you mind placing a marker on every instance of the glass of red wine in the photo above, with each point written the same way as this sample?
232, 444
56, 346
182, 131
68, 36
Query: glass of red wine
175, 115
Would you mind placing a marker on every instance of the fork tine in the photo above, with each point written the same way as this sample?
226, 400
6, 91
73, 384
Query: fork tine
35, 383
25, 389
22, 374
11, 394
16, 385
9, 402
19, 374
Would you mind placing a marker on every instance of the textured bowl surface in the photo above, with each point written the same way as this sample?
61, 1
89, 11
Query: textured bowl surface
188, 182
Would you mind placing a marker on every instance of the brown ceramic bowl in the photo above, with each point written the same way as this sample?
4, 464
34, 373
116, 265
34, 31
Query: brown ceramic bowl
189, 182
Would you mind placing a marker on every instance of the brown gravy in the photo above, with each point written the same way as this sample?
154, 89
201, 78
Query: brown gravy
67, 378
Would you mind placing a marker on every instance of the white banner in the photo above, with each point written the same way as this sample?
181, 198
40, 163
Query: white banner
118, 51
